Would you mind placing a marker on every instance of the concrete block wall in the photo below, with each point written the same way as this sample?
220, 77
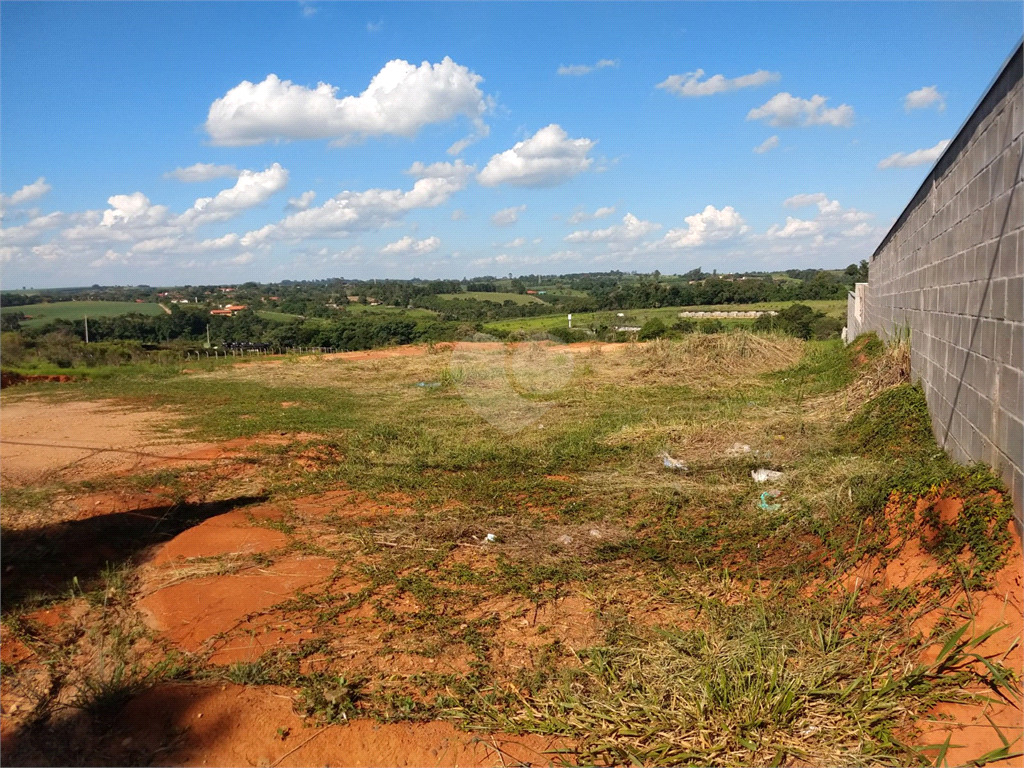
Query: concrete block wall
951, 273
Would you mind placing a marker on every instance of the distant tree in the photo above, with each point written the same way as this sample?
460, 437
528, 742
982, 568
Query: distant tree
795, 320
652, 329
824, 327
710, 325
10, 321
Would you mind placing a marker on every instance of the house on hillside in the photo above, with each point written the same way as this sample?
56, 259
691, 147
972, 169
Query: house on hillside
228, 310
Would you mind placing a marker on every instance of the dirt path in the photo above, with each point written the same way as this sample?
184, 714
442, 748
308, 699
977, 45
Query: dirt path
42, 440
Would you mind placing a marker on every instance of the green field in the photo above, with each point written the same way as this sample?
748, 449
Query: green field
355, 309
831, 307
383, 309
41, 314
281, 317
668, 315
497, 298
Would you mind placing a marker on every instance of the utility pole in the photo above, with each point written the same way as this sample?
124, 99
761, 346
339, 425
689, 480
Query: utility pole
207, 335
86, 329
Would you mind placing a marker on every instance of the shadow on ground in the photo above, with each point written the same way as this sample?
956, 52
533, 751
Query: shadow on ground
204, 724
43, 563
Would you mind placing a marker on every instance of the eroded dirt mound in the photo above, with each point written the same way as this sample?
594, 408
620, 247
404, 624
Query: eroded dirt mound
193, 612
236, 533
915, 576
9, 378
234, 725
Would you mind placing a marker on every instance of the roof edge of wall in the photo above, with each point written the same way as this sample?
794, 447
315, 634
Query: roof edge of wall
1009, 74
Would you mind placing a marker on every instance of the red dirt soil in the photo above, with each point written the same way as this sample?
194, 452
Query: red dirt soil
9, 379
967, 726
192, 612
234, 725
230, 533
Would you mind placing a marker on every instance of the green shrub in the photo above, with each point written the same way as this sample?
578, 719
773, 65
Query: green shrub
652, 329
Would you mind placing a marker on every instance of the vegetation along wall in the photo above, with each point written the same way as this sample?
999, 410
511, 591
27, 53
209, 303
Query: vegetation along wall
951, 273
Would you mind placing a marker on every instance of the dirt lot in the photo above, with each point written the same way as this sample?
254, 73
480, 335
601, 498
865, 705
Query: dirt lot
42, 440
361, 593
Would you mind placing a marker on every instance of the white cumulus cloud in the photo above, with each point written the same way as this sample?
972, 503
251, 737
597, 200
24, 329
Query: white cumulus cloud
767, 145
917, 157
302, 202
135, 208
923, 98
203, 172
507, 216
409, 245
351, 212
785, 110
600, 213
27, 193
586, 69
861, 230
252, 188
804, 200
631, 228
457, 170
794, 228
829, 211
547, 158
691, 84
110, 257
31, 231
709, 225
184, 245
400, 99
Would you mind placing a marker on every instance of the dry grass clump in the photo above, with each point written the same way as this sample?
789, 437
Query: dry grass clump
700, 360
886, 370
890, 369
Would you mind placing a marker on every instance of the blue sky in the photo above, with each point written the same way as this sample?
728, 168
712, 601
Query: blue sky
167, 143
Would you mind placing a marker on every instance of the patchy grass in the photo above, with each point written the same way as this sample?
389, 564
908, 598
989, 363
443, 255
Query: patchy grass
756, 683
558, 578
